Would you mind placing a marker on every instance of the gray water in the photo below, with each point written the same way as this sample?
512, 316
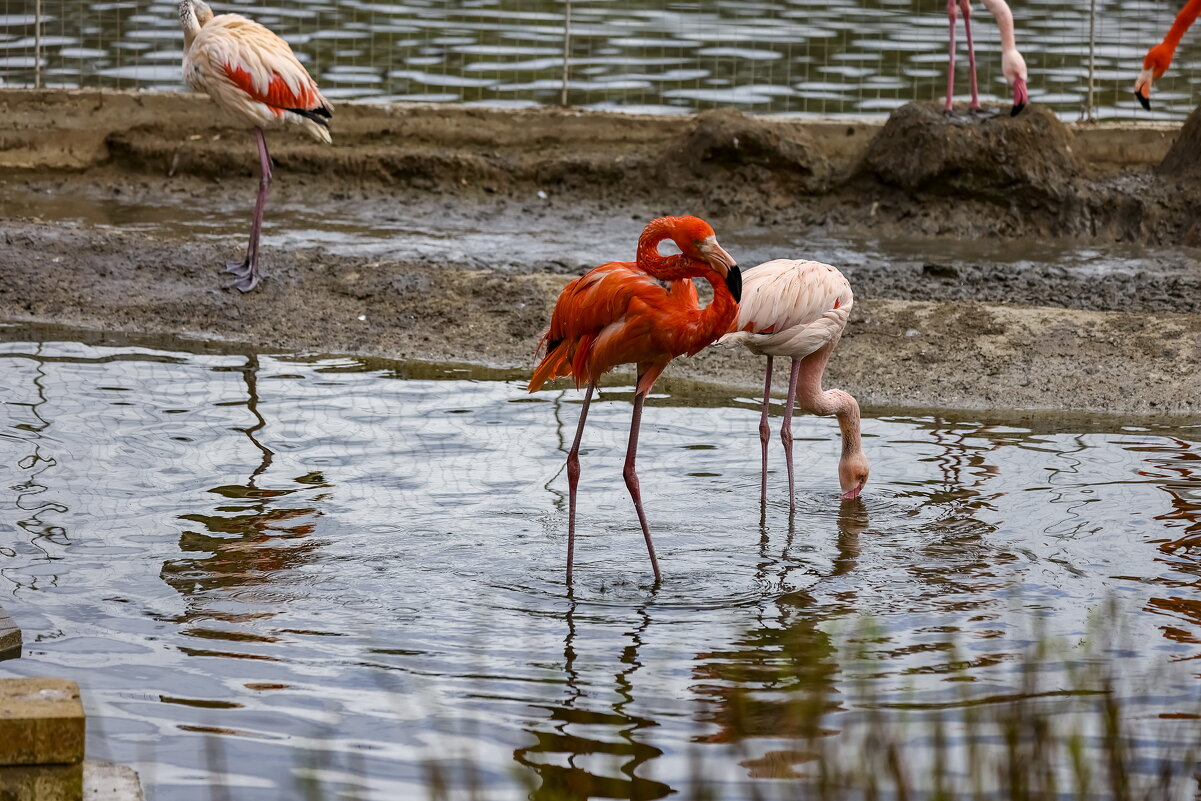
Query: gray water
852, 57
271, 571
552, 233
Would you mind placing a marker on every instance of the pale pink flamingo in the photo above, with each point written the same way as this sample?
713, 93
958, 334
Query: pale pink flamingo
254, 78
1160, 57
1013, 66
644, 312
799, 309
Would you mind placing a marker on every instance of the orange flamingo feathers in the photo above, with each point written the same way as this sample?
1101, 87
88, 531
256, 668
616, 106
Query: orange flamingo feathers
644, 312
1159, 58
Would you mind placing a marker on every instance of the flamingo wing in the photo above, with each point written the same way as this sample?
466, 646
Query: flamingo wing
613, 314
248, 69
791, 307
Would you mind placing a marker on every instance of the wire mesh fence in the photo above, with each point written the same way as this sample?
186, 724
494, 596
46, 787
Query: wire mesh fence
803, 57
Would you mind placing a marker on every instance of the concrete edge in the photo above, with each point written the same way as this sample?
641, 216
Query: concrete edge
109, 781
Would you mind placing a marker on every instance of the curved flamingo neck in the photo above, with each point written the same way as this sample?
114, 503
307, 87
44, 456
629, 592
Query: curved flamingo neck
667, 268
1004, 18
1184, 20
830, 402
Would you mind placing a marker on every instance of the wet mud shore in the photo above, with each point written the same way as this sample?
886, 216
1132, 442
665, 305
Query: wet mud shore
957, 332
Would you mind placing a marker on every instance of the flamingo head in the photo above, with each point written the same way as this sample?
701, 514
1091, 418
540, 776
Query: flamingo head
1154, 66
193, 14
1014, 68
696, 240
852, 475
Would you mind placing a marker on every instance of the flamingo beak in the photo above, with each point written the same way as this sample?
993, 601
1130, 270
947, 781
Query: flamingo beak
853, 493
1021, 96
1142, 89
723, 264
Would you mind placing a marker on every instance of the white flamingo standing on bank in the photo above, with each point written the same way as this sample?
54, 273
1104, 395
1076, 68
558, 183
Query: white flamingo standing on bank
1013, 66
253, 77
799, 308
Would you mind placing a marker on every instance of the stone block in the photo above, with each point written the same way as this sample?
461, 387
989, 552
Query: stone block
10, 637
41, 783
108, 781
41, 722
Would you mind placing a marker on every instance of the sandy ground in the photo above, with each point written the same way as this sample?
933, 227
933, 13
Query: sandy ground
951, 333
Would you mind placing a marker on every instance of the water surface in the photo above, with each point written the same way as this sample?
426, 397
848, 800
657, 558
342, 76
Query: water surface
271, 571
850, 57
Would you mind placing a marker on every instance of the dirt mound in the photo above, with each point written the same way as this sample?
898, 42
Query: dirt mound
725, 139
1184, 159
921, 149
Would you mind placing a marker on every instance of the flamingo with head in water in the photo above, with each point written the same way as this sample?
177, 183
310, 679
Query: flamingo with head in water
1013, 66
799, 309
1159, 58
644, 312
253, 77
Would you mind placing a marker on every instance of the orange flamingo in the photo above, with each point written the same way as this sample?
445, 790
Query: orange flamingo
799, 308
253, 76
644, 312
1159, 58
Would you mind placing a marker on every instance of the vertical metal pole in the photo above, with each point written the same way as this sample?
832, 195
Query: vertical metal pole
1092, 58
37, 45
566, 51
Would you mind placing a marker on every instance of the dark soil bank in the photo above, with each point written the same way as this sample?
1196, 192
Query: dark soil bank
922, 173
964, 355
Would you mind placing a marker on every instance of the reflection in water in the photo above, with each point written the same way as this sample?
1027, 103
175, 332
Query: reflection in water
249, 542
39, 461
579, 734
366, 579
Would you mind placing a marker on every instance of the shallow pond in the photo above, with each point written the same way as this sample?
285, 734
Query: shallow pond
784, 56
272, 572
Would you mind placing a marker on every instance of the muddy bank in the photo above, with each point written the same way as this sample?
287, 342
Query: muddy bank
964, 355
922, 173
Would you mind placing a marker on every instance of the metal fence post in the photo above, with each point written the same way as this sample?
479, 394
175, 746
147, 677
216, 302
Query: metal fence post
37, 45
566, 52
1092, 60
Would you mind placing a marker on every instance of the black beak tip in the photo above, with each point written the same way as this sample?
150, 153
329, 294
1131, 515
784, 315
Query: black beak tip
1017, 109
1144, 101
734, 282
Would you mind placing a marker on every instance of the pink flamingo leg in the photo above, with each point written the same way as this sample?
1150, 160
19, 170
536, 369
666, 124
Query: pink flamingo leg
632, 480
951, 13
573, 479
765, 432
966, 5
786, 429
247, 272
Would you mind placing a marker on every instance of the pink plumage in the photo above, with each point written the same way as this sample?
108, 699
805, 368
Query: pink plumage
798, 309
791, 307
253, 76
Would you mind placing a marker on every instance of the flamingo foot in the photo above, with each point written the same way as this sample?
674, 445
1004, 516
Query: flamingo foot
246, 275
981, 113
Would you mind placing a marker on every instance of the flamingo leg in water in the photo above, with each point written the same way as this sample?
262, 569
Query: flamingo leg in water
247, 272
786, 429
951, 13
966, 5
632, 479
765, 432
573, 479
